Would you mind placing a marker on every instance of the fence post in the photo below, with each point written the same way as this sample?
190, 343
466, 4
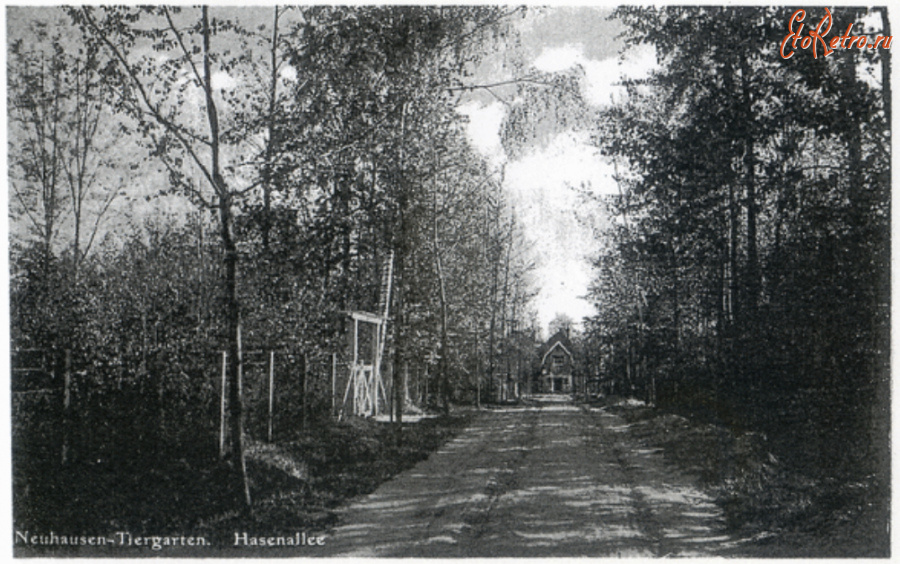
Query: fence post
222, 407
67, 405
271, 389
405, 397
305, 391
333, 382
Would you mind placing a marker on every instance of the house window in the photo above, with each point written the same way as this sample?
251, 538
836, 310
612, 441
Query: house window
557, 363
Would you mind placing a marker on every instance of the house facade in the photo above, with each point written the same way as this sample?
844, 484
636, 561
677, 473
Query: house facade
557, 365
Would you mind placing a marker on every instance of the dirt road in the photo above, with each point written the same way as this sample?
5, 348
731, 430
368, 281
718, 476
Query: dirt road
548, 480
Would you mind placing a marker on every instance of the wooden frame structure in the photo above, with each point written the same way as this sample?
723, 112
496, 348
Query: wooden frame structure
365, 383
365, 387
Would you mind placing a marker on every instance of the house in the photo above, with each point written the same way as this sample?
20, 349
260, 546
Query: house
557, 365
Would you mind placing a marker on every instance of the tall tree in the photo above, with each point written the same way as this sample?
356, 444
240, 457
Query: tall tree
38, 109
155, 91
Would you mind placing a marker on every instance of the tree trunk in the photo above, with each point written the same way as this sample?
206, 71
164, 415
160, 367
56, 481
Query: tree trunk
478, 367
235, 367
399, 344
734, 301
885, 55
753, 271
443, 377
50, 178
442, 358
232, 304
495, 281
504, 326
850, 99
401, 249
676, 310
493, 325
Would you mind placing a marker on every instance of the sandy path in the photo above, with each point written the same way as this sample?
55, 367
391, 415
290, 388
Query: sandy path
550, 480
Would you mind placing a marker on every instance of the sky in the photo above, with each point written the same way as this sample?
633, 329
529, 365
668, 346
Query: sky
543, 183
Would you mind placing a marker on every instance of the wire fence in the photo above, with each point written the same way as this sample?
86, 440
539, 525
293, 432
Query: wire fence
63, 411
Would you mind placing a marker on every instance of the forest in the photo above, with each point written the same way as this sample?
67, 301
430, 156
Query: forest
198, 197
747, 279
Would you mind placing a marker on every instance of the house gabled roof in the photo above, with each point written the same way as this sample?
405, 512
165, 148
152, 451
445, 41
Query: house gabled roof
550, 350
560, 340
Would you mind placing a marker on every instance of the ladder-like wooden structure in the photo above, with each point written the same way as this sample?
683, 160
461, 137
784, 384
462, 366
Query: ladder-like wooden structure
365, 383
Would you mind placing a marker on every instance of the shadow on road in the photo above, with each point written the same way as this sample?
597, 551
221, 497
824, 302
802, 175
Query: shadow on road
546, 479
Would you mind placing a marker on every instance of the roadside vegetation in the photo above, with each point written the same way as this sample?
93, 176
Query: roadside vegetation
297, 485
773, 499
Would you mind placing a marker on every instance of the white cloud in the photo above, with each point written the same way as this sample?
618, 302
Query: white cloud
569, 159
288, 73
222, 80
601, 76
871, 22
556, 59
600, 81
484, 129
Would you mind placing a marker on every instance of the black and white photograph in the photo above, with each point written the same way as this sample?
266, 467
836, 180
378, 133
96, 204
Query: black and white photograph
448, 281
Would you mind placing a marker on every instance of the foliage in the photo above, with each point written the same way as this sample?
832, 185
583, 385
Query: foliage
297, 156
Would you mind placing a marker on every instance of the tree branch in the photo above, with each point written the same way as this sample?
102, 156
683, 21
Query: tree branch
145, 96
187, 55
83, 253
526, 80
24, 205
